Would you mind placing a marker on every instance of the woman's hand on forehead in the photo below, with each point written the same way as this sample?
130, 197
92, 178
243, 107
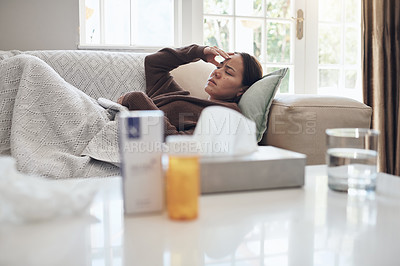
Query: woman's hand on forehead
212, 52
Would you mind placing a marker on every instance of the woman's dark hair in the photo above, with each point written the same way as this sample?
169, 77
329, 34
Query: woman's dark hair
252, 69
252, 72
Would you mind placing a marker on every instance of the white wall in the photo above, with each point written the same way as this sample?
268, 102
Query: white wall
39, 24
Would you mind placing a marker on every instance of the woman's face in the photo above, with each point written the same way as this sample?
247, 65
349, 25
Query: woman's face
225, 82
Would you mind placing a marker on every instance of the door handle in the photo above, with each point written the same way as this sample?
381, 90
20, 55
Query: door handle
299, 24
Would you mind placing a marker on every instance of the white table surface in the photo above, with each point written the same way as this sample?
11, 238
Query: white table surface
311, 225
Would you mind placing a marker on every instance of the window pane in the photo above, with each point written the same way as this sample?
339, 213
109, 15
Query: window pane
353, 11
92, 22
350, 79
330, 10
116, 21
284, 87
248, 36
278, 42
153, 22
352, 53
329, 44
278, 8
217, 31
249, 7
328, 78
220, 7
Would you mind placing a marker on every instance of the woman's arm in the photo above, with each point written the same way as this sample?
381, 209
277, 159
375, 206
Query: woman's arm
159, 64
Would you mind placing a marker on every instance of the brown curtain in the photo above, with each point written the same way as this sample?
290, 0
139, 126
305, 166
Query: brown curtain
381, 76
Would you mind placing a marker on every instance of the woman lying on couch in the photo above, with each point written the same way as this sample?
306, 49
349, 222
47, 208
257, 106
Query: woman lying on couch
54, 129
225, 86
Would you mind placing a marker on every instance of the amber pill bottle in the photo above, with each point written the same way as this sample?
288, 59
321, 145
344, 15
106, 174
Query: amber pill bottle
182, 178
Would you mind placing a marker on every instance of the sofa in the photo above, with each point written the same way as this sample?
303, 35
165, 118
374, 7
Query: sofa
295, 122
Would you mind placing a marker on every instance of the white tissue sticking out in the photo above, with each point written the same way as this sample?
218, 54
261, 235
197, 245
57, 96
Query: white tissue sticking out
28, 198
221, 131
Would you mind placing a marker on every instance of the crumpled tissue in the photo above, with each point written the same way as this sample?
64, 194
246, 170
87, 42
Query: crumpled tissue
221, 131
28, 198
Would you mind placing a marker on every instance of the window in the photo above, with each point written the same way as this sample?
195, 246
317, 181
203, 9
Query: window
339, 48
262, 28
325, 60
127, 23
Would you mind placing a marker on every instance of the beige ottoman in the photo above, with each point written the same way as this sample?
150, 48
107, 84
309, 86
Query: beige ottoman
298, 122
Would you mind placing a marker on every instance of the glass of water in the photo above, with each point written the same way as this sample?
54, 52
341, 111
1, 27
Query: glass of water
351, 158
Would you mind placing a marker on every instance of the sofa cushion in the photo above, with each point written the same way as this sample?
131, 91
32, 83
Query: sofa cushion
298, 122
193, 77
98, 73
256, 101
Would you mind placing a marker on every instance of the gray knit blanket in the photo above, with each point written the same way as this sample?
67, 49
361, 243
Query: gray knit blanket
50, 127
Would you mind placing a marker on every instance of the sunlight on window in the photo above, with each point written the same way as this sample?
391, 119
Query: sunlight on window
260, 28
116, 22
128, 23
339, 42
266, 29
153, 23
92, 22
263, 28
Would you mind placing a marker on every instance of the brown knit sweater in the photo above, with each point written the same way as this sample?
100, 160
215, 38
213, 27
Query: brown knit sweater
181, 110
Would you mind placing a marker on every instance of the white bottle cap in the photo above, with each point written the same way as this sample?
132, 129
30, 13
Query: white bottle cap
182, 145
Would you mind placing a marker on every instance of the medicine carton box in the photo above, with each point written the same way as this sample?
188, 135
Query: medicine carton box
141, 134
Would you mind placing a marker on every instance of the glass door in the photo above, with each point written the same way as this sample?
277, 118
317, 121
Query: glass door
318, 40
265, 29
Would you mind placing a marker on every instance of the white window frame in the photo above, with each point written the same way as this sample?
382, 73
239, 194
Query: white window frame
307, 83
265, 20
190, 24
297, 55
188, 27
341, 67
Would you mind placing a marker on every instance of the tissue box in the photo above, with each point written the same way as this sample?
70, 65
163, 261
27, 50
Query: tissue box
269, 167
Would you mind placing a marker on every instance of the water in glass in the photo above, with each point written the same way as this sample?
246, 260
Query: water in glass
350, 168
